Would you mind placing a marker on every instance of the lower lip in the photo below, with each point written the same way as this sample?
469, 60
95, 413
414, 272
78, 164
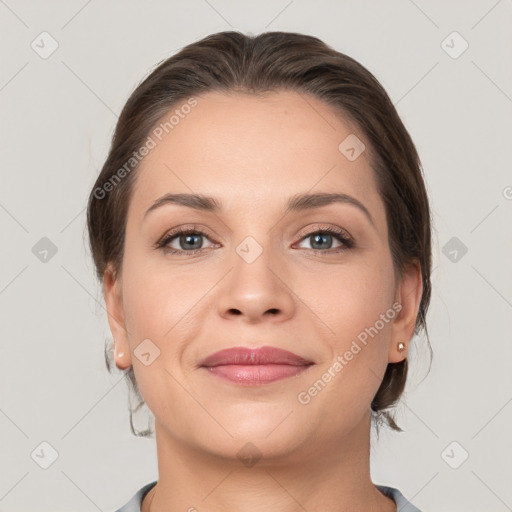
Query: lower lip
255, 374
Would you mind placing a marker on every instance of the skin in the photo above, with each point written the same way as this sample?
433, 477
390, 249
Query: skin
252, 153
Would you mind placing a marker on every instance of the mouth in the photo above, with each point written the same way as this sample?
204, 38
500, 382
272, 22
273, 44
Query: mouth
246, 366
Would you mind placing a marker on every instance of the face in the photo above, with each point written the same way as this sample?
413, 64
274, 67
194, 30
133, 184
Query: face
255, 273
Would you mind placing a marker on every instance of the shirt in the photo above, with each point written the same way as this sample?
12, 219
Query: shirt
402, 504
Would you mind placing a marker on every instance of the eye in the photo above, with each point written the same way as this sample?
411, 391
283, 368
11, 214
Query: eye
188, 241
321, 240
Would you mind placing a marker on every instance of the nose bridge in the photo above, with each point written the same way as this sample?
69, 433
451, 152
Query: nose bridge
254, 239
256, 259
256, 283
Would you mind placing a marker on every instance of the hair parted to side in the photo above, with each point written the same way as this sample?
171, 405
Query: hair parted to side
275, 61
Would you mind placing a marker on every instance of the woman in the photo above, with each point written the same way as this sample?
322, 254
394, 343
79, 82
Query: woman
261, 230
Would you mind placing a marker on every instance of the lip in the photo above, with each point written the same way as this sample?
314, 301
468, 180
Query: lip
250, 356
247, 366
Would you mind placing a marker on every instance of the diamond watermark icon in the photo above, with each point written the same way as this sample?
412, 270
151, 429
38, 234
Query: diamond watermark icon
44, 250
44, 45
249, 249
454, 455
454, 45
352, 147
44, 455
146, 352
249, 455
454, 249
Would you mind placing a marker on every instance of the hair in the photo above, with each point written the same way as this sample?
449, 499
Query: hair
272, 62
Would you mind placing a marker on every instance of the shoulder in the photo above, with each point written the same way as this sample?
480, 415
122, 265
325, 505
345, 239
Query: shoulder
402, 503
136, 500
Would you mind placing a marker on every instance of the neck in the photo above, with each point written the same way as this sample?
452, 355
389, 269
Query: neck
321, 476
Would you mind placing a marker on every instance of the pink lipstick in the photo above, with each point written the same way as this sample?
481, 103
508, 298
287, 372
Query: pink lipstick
255, 366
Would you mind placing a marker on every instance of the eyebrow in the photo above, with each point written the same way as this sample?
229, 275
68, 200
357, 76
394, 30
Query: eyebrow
296, 203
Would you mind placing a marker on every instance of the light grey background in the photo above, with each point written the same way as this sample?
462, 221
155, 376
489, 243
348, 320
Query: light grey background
57, 118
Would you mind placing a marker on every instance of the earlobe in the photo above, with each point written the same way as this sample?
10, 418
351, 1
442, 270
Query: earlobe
409, 292
121, 358
115, 315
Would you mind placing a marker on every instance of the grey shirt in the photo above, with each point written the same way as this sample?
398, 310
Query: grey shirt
402, 504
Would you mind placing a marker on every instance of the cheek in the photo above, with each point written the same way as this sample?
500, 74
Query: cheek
160, 302
155, 305
360, 314
348, 300
144, 302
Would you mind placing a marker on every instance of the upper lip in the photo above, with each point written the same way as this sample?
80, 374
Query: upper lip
258, 356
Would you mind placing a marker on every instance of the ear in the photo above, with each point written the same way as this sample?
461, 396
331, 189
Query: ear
114, 303
408, 294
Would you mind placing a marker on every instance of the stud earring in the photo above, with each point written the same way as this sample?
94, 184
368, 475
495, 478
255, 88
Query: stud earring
401, 347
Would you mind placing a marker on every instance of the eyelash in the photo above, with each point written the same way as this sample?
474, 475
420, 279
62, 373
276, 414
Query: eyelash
339, 234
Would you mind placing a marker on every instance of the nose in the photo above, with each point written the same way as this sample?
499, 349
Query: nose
259, 289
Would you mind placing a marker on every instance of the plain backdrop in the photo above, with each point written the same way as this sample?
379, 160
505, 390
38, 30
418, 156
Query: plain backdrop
58, 404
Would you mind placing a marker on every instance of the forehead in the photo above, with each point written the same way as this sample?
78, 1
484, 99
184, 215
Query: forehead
253, 149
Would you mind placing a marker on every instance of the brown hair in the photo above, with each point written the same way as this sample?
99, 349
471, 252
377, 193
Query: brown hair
273, 61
